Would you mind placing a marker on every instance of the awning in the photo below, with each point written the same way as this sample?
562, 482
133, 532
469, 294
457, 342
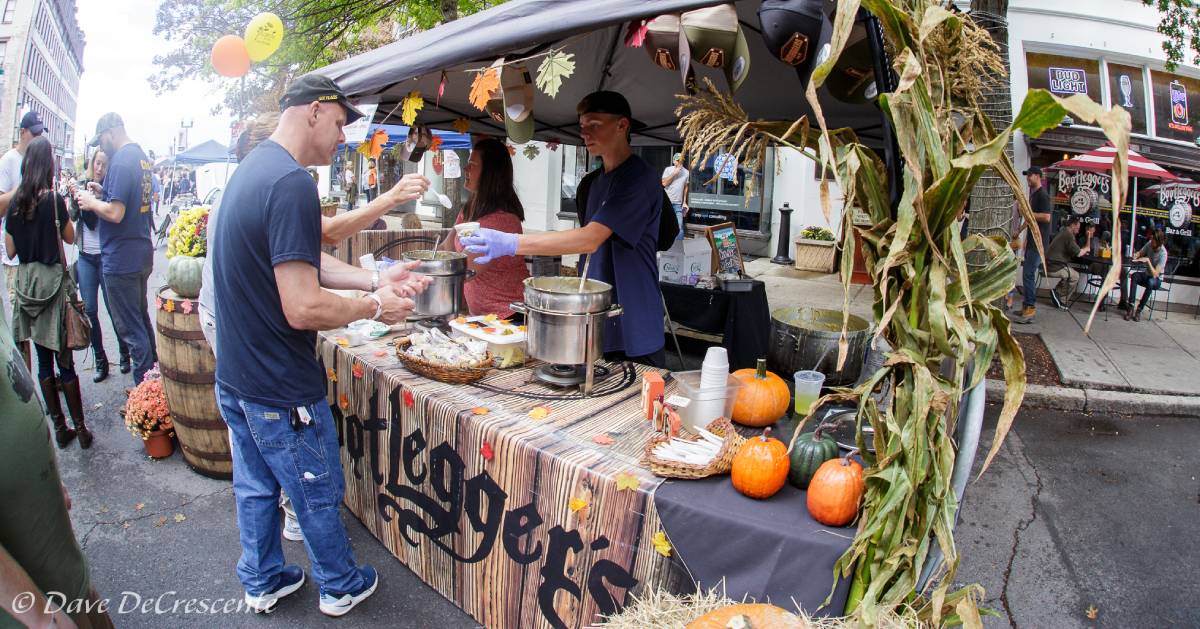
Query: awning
1101, 160
207, 152
595, 33
1077, 139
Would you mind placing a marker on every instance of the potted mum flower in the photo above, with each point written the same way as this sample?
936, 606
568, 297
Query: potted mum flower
815, 250
146, 416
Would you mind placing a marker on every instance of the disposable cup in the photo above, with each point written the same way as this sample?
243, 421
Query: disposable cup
808, 389
466, 229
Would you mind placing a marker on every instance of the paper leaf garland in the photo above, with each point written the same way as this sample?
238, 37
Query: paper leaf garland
187, 307
169, 306
484, 85
435, 144
408, 398
625, 481
635, 35
461, 125
410, 106
531, 151
343, 401
554, 68
357, 370
552, 145
577, 504
331, 374
661, 544
480, 410
158, 303
487, 452
602, 439
512, 150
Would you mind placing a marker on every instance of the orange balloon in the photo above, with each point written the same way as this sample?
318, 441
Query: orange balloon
229, 56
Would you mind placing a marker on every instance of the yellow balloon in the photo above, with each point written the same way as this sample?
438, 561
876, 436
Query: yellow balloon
264, 33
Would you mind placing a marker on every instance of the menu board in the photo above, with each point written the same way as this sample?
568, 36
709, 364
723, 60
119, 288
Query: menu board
727, 255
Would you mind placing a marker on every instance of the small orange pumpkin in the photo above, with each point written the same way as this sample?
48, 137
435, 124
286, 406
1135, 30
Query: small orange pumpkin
760, 466
835, 491
763, 398
755, 615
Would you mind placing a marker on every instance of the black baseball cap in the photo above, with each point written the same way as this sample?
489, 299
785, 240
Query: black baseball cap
315, 87
33, 122
1033, 170
606, 102
111, 120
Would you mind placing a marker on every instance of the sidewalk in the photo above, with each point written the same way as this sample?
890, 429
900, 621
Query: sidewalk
1160, 357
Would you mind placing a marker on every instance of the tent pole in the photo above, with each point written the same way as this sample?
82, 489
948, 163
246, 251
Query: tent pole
1133, 219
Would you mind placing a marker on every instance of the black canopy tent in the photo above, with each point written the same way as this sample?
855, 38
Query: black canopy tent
594, 32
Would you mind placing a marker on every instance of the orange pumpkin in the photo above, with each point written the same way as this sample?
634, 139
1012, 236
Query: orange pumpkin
835, 491
763, 398
756, 615
760, 466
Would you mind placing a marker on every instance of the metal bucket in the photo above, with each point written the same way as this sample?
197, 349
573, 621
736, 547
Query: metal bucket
563, 325
807, 338
562, 295
448, 272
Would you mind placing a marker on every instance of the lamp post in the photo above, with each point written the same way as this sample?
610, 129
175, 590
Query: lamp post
785, 236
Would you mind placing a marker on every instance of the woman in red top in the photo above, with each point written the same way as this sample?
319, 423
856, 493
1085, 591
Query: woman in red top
494, 204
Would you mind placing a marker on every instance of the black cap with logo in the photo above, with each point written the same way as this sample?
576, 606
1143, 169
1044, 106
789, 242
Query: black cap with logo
606, 102
322, 89
33, 123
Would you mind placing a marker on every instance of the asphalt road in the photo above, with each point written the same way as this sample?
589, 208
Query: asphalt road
1076, 512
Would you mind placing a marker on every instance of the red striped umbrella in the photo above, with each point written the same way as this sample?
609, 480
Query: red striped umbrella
1101, 160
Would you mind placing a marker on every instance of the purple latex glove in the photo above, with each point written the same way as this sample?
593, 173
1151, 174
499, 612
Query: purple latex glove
489, 244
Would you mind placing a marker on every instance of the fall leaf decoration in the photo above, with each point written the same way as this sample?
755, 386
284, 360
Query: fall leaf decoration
461, 125
661, 544
531, 150
436, 143
187, 307
480, 410
410, 106
162, 521
552, 145
625, 481
441, 88
635, 35
602, 439
512, 150
485, 84
343, 341
554, 68
380, 353
343, 401
158, 303
169, 305
357, 370
408, 398
1092, 612
139, 506
486, 451
577, 504
331, 374
539, 413
179, 517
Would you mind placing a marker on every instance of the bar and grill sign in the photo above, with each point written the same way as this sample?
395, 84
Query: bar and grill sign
1068, 81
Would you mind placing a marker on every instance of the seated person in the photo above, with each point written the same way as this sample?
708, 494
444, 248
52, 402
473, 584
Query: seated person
1060, 254
1154, 254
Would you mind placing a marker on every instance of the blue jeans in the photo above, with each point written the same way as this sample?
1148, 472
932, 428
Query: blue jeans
91, 286
126, 297
306, 463
1029, 278
679, 218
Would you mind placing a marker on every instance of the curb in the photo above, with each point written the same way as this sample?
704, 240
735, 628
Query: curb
1099, 401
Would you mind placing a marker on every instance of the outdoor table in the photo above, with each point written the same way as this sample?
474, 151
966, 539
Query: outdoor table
1085, 263
742, 319
521, 522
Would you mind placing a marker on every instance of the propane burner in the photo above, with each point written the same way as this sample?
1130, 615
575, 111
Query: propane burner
569, 375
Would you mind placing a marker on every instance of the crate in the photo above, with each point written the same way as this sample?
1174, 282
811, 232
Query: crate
815, 255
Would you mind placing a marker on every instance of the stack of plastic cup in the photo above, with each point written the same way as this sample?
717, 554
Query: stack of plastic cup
709, 402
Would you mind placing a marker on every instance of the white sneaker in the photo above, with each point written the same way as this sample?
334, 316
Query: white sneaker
290, 580
291, 529
339, 605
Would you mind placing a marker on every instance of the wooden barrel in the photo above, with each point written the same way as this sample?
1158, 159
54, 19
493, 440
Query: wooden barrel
189, 378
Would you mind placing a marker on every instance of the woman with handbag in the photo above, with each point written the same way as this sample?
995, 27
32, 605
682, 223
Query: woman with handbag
47, 309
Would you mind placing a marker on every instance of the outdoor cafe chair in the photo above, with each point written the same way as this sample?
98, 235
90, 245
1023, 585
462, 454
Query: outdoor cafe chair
1168, 279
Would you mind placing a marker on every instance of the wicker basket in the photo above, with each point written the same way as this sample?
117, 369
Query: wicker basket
815, 255
454, 374
329, 209
720, 464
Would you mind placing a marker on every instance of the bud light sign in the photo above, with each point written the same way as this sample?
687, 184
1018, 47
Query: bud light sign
1179, 108
1068, 81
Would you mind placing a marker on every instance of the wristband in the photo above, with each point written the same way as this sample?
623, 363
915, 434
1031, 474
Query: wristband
378, 306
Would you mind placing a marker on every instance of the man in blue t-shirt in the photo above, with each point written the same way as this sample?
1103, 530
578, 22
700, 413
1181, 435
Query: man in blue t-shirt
126, 251
268, 274
621, 232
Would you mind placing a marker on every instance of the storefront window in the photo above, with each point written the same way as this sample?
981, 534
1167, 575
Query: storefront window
1176, 106
723, 200
1128, 91
1064, 76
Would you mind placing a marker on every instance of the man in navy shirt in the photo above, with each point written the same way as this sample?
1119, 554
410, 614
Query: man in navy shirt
623, 209
126, 251
268, 274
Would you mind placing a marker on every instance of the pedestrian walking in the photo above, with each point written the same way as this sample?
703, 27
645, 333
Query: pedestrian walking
36, 227
126, 249
270, 385
1039, 202
675, 180
88, 272
350, 185
10, 178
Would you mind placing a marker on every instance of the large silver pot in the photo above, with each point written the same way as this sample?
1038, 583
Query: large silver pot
563, 325
448, 271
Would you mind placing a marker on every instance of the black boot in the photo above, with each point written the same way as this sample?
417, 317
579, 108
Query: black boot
75, 407
101, 370
62, 434
124, 365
